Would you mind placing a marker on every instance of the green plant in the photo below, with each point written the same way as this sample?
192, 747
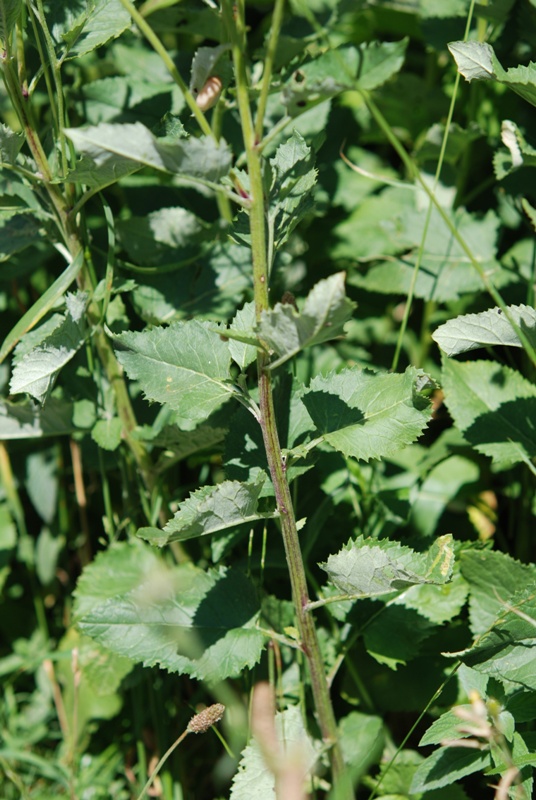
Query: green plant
323, 523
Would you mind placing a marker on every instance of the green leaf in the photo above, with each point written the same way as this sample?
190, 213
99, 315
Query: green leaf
17, 233
447, 765
488, 328
244, 350
185, 366
107, 433
438, 603
9, 13
182, 618
318, 79
166, 236
47, 300
494, 408
325, 312
477, 61
253, 778
518, 154
362, 741
79, 32
208, 61
293, 180
393, 223
366, 416
10, 142
209, 288
440, 487
212, 509
507, 651
379, 61
368, 570
113, 150
29, 421
493, 578
37, 371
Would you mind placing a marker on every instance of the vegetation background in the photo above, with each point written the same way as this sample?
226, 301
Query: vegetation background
268, 401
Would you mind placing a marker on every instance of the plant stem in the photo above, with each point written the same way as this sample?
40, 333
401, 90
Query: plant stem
300, 595
157, 45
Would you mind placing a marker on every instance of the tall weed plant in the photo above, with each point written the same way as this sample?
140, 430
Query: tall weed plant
267, 426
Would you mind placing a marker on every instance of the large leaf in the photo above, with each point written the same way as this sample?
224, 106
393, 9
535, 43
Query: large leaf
185, 366
325, 311
30, 421
508, 650
367, 569
447, 765
182, 618
212, 509
477, 61
37, 371
364, 415
493, 578
80, 28
112, 150
166, 236
42, 306
494, 407
488, 328
379, 61
254, 779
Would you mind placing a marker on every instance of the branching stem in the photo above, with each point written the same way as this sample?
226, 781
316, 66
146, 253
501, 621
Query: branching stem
305, 620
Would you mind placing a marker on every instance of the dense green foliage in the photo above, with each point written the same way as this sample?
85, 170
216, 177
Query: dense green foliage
248, 250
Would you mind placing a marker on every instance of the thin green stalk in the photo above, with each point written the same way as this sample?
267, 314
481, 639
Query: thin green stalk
305, 621
271, 48
157, 45
413, 171
59, 107
420, 253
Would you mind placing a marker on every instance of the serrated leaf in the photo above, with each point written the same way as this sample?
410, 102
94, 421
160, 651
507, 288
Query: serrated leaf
115, 149
488, 328
447, 765
477, 61
254, 779
492, 577
9, 13
182, 618
185, 366
366, 415
324, 314
243, 351
507, 651
293, 180
494, 408
41, 306
10, 142
369, 570
212, 509
77, 33
37, 371
17, 233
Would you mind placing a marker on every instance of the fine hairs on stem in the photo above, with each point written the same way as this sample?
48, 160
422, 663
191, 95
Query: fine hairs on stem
199, 723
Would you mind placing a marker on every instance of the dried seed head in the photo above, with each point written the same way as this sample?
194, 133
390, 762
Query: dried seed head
201, 722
